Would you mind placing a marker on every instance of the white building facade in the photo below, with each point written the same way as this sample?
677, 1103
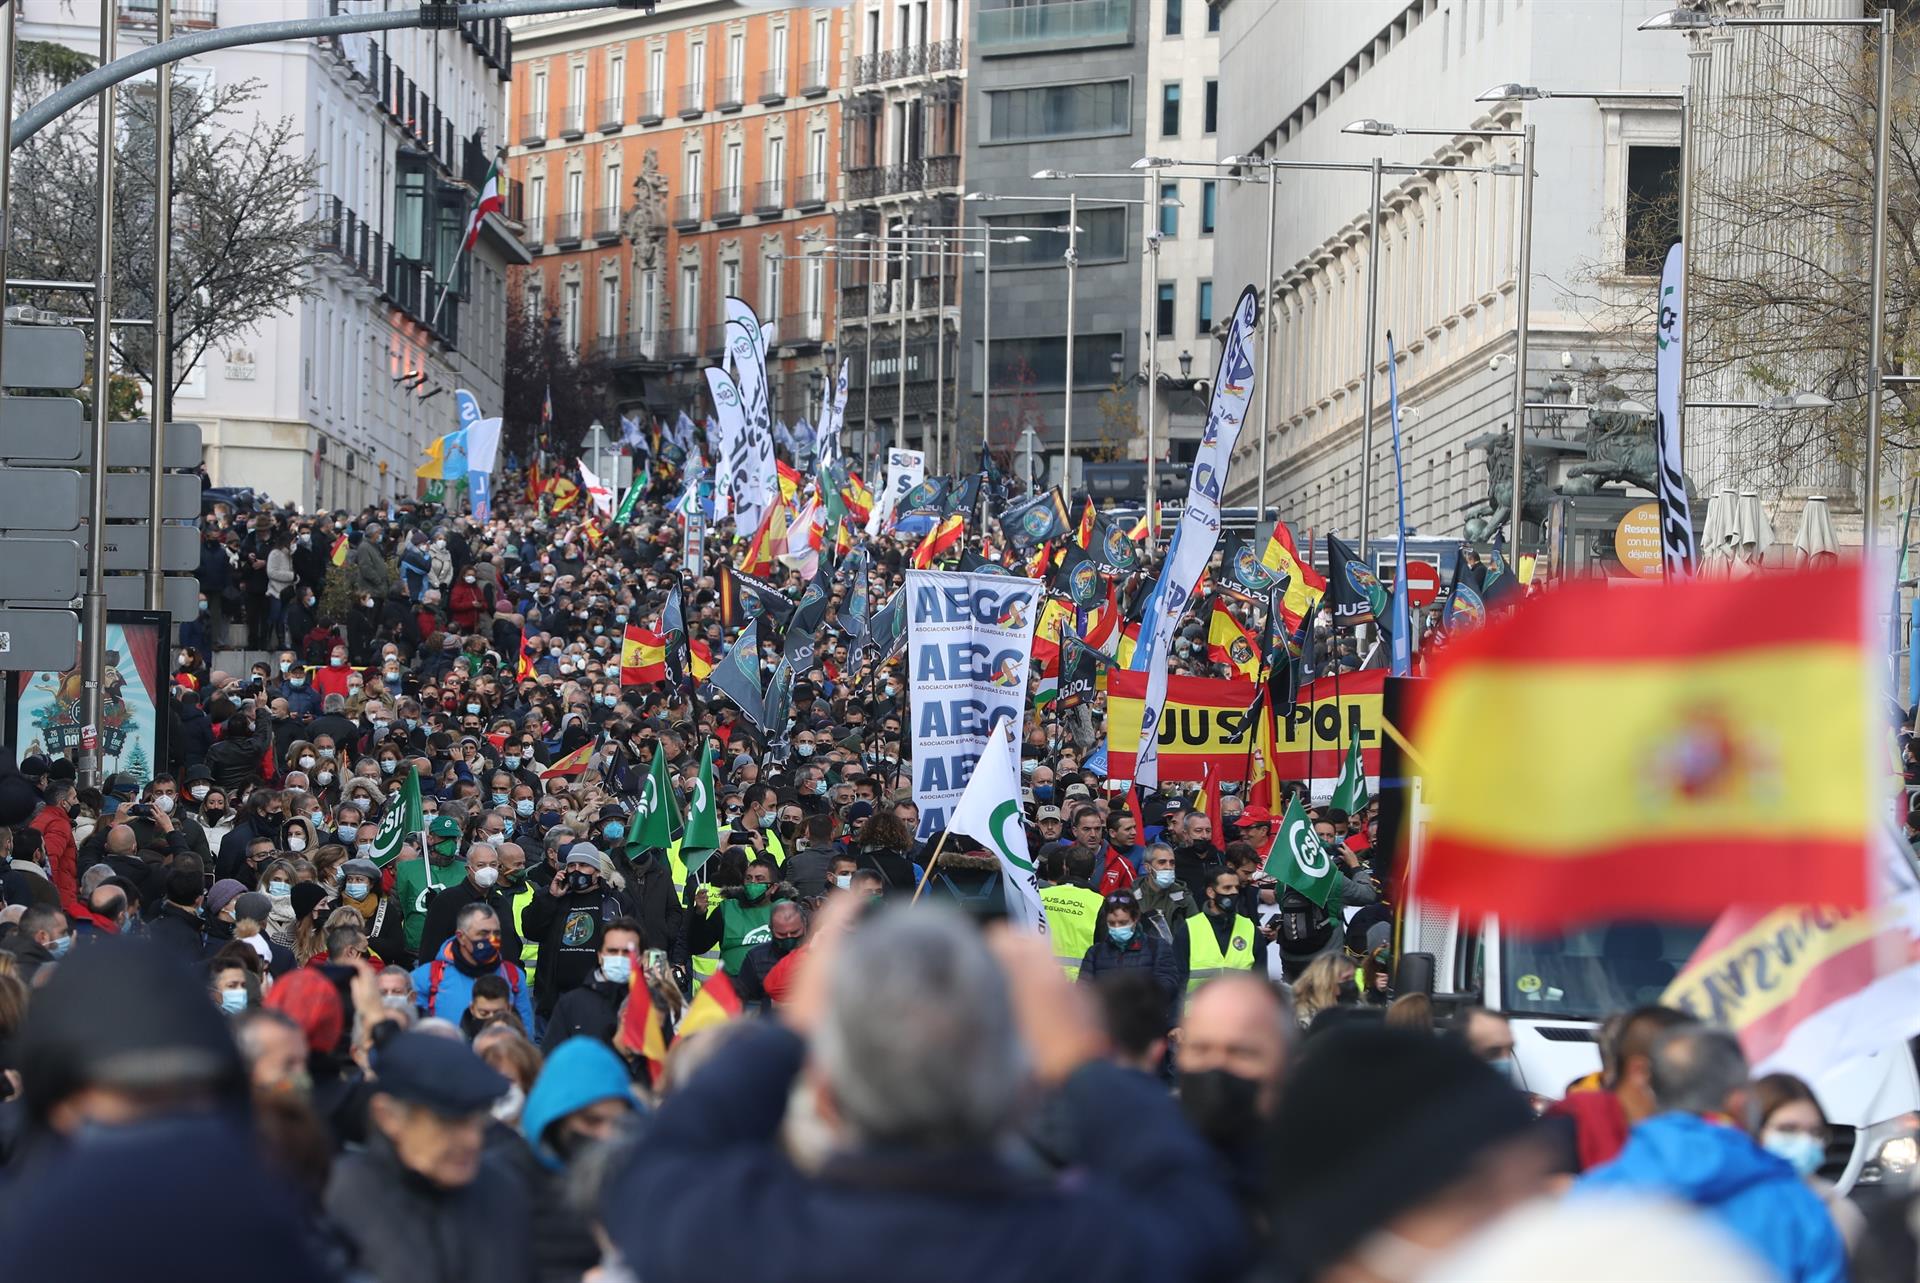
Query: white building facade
1292, 76
331, 403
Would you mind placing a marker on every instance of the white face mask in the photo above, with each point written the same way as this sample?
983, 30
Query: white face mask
325, 777
307, 763
484, 878
199, 791
164, 803
296, 843
364, 850
507, 1108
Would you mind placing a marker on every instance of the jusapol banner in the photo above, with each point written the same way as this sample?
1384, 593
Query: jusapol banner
969, 640
1202, 724
1311, 738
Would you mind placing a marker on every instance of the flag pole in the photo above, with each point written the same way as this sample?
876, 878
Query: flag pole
927, 873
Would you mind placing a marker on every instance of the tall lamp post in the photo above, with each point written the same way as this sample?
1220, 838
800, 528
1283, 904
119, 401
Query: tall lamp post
1696, 20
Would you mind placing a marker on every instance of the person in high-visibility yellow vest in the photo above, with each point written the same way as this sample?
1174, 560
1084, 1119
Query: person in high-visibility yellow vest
1220, 940
513, 880
1073, 913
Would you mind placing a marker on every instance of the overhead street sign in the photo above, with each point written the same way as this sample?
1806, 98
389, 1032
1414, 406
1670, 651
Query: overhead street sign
126, 548
44, 499
180, 595
41, 570
39, 430
127, 497
41, 640
44, 356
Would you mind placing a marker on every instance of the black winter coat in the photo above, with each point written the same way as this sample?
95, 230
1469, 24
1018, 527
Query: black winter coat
407, 1230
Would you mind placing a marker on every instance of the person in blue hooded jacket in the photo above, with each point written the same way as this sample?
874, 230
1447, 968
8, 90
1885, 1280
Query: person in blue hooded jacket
1694, 1151
582, 1098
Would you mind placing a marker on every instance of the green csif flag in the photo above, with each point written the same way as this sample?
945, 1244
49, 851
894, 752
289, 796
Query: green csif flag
655, 819
633, 496
702, 838
1299, 860
1350, 790
402, 820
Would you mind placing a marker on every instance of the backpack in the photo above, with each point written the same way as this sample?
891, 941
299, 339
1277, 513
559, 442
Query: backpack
1304, 926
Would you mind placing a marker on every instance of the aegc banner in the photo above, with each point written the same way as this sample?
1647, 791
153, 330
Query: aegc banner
969, 639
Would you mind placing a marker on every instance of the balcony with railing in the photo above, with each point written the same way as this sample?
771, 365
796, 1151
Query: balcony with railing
813, 78
606, 223
573, 120
195, 14
803, 330
810, 192
652, 107
902, 179
533, 128
935, 58
770, 197
366, 255
566, 227
1005, 27
693, 99
727, 93
683, 343
726, 204
610, 117
773, 85
686, 211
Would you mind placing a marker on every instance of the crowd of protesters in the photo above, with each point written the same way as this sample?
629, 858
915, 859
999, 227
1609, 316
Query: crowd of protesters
237, 1025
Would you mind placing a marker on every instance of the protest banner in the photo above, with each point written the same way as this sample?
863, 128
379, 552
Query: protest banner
969, 640
1312, 737
905, 470
1202, 724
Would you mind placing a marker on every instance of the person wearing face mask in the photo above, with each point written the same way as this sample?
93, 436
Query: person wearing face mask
1220, 940
480, 886
381, 919
41, 938
567, 917
1236, 1042
1794, 1128
788, 925
297, 688
1122, 943
807, 868
444, 986
417, 882
55, 824
592, 1009
1165, 901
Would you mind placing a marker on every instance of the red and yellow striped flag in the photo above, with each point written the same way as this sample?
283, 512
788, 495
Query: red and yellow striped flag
643, 656
1305, 585
640, 1031
339, 554
1084, 535
700, 656
716, 1003
523, 671
574, 763
944, 535
1613, 752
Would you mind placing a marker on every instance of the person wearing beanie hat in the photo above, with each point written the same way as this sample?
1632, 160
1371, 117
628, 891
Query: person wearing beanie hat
1442, 1147
256, 907
566, 917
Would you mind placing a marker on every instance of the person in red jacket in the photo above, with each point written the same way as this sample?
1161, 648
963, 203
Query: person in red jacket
467, 601
56, 834
332, 680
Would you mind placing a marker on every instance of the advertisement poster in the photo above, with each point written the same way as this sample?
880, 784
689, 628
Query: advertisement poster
45, 713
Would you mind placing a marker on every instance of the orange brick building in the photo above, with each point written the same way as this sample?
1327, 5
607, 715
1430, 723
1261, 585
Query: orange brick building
667, 160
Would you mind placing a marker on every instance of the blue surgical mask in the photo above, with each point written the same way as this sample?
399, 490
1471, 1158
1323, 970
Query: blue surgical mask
357, 888
614, 830
1043, 792
523, 808
1802, 1152
233, 1001
844, 881
58, 948
279, 890
318, 819
1120, 935
387, 765
819, 788
1165, 877
512, 761
617, 968
347, 832
498, 799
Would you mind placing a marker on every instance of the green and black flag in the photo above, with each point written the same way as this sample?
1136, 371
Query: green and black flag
737, 674
1356, 594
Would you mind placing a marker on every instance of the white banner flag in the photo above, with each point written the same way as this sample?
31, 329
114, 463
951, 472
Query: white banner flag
989, 812
1677, 551
759, 475
833, 417
597, 491
969, 638
730, 459
905, 470
1199, 529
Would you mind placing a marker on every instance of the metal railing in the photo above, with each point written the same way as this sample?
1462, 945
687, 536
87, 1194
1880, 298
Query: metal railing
533, 127
770, 197
896, 180
606, 223
566, 227
683, 341
813, 78
803, 328
716, 339
1054, 20
726, 94
908, 60
186, 13
726, 203
693, 99
652, 107
810, 191
686, 210
609, 117
573, 120
773, 84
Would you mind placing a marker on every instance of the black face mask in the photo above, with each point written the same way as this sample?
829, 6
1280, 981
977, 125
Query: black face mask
580, 880
1219, 1104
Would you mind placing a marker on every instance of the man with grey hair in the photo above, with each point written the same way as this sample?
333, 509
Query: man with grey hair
921, 1042
1696, 1150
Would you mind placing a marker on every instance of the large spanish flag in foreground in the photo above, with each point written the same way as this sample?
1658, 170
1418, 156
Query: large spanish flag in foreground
643, 656
1654, 752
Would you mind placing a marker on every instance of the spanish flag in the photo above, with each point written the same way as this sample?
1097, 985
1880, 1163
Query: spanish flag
716, 1003
1084, 535
535, 486
947, 532
701, 659
768, 542
574, 763
1305, 585
1230, 643
339, 554
640, 1031
789, 480
565, 492
857, 497
523, 670
643, 656
1654, 752
1140, 529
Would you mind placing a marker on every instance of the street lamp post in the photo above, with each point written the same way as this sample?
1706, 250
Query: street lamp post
93, 624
